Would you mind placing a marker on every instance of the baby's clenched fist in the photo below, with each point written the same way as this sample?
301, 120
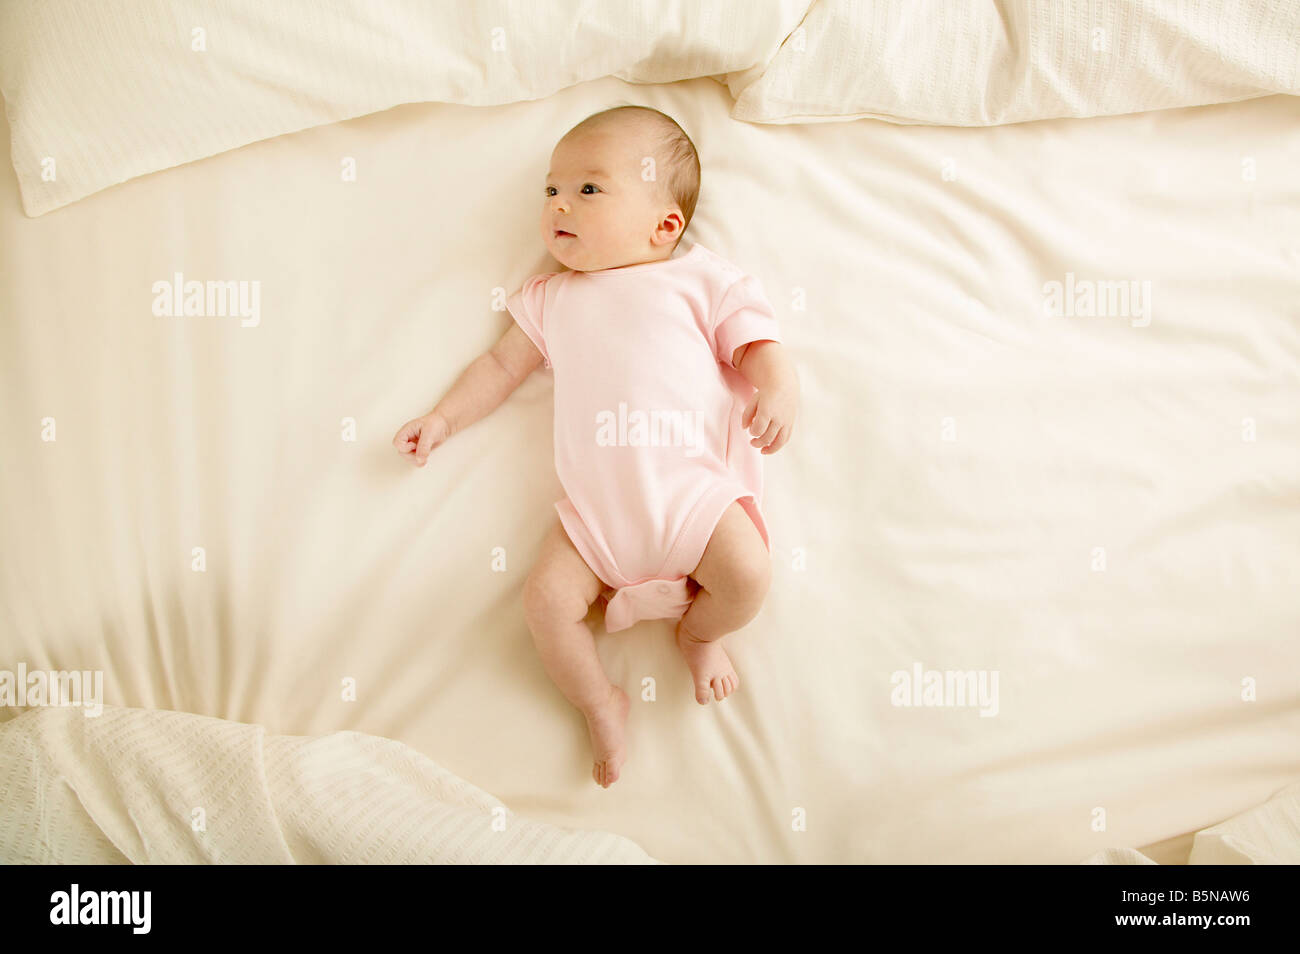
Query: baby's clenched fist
770, 416
422, 435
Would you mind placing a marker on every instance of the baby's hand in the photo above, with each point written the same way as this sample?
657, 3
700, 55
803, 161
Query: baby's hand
422, 435
770, 415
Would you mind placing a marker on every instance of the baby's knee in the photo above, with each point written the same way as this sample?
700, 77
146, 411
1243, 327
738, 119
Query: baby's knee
747, 579
756, 576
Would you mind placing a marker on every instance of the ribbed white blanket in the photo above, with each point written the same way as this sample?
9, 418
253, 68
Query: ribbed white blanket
158, 787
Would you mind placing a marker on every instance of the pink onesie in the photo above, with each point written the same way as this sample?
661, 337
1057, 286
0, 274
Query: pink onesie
648, 442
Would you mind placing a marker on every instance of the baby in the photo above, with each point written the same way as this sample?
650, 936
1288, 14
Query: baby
670, 383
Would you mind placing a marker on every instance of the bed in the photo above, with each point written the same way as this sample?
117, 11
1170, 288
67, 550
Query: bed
1049, 448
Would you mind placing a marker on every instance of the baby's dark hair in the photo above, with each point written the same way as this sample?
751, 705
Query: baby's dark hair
676, 154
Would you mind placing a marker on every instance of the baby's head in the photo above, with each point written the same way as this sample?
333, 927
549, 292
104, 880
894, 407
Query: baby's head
623, 184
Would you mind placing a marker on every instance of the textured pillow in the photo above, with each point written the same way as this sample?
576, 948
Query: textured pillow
966, 63
99, 91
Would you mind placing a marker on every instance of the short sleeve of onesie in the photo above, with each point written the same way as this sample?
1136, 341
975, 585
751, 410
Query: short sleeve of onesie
527, 307
744, 314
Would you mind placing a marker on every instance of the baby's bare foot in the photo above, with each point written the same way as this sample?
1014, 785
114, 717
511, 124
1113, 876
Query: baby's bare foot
605, 725
710, 666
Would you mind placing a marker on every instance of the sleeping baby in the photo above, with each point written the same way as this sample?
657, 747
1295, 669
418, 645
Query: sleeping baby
670, 385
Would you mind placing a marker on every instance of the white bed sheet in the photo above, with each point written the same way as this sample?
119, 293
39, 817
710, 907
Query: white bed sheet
1120, 689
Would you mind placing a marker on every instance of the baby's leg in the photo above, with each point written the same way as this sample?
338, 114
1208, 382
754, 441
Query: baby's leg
733, 575
557, 595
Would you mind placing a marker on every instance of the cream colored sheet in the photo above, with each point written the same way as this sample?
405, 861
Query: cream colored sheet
913, 304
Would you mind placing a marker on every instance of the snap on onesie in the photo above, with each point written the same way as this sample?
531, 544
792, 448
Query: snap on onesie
648, 442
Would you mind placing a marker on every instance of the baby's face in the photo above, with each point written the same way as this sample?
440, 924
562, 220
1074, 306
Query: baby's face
598, 211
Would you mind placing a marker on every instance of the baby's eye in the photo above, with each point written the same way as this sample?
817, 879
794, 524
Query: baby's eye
550, 190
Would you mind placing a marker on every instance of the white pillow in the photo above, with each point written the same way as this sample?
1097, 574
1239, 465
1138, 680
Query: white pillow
99, 91
963, 63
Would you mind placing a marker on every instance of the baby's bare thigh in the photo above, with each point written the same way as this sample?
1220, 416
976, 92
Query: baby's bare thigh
736, 562
560, 579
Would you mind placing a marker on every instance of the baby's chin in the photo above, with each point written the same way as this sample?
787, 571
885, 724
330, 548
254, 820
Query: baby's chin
584, 259
576, 259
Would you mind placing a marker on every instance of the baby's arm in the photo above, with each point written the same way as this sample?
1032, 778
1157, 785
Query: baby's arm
771, 412
480, 389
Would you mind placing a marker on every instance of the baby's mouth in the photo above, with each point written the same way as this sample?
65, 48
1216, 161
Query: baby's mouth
560, 233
